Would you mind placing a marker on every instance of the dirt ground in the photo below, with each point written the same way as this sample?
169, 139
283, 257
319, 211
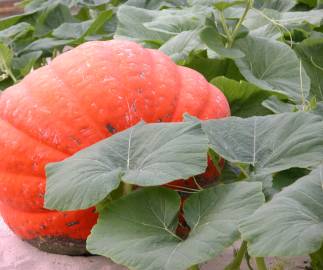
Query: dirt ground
18, 255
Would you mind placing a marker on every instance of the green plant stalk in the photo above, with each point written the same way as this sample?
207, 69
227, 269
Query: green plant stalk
232, 35
260, 262
127, 188
194, 267
235, 264
236, 29
226, 29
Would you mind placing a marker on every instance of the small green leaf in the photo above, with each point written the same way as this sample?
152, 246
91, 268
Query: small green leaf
45, 44
6, 56
270, 143
144, 223
51, 17
245, 99
273, 65
144, 155
291, 224
14, 32
214, 41
24, 63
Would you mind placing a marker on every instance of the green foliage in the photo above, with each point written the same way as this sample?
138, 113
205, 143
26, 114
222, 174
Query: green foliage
266, 57
147, 220
144, 155
291, 223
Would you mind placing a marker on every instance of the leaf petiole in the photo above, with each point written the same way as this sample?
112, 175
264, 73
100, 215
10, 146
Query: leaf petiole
260, 262
235, 264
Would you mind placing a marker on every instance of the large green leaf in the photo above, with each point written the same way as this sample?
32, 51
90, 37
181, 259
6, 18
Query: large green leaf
270, 143
174, 24
277, 106
279, 5
131, 24
262, 23
245, 99
291, 224
272, 65
144, 155
180, 46
138, 231
311, 53
211, 68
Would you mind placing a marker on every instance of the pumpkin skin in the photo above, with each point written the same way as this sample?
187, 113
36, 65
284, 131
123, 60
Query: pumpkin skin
81, 97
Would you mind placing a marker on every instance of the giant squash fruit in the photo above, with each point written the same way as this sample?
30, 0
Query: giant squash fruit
83, 96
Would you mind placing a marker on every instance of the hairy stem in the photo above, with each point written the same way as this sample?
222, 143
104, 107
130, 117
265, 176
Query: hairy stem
235, 264
261, 265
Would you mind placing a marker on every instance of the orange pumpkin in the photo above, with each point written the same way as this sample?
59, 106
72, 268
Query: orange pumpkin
81, 97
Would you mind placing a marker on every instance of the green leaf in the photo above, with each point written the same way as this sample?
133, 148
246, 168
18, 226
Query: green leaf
245, 99
156, 4
288, 177
180, 46
46, 44
262, 23
80, 30
279, 5
72, 30
138, 231
131, 24
277, 106
214, 41
14, 32
291, 224
174, 24
272, 65
144, 155
270, 143
6, 56
222, 5
24, 63
13, 20
310, 51
51, 17
211, 68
